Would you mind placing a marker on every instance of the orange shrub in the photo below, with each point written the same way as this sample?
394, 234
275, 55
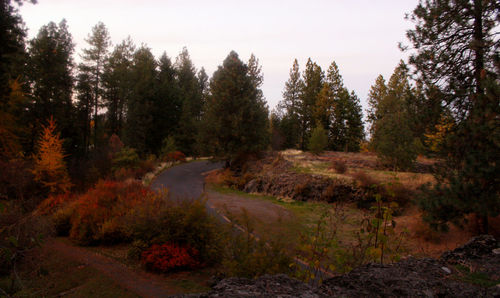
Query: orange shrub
54, 202
107, 201
168, 256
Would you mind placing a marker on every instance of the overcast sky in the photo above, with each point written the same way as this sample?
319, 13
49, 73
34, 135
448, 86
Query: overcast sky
361, 36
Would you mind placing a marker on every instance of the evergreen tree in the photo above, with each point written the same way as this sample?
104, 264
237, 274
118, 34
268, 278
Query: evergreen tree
94, 58
393, 138
290, 107
50, 68
255, 73
116, 82
168, 104
313, 82
318, 140
244, 126
377, 92
191, 97
355, 130
324, 107
12, 49
139, 126
456, 51
342, 116
454, 41
84, 107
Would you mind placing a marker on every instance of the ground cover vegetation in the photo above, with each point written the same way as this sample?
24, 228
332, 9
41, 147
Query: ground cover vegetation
76, 139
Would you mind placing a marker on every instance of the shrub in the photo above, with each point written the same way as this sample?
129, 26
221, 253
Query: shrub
115, 145
169, 256
107, 201
168, 145
318, 140
175, 156
20, 233
340, 166
126, 158
245, 256
62, 220
364, 180
17, 183
184, 222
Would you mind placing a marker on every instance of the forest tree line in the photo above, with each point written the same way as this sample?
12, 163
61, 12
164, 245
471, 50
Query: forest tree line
443, 101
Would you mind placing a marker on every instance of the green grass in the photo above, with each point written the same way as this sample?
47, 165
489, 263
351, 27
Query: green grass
476, 278
306, 216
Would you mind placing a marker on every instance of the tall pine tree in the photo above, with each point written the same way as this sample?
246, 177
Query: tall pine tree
94, 57
313, 82
289, 107
456, 51
50, 72
243, 128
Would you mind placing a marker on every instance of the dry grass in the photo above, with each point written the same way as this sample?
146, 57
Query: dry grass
355, 163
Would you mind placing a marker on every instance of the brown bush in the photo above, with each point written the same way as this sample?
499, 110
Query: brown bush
364, 180
339, 166
302, 189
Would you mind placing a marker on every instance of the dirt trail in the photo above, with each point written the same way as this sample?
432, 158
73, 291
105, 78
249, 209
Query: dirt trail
142, 283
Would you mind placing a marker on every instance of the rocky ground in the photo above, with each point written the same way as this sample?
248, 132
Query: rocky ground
472, 270
273, 176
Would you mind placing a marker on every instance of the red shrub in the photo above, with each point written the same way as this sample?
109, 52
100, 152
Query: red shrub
54, 202
168, 256
175, 156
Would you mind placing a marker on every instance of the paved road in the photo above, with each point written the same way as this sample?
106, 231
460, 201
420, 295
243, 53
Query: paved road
185, 180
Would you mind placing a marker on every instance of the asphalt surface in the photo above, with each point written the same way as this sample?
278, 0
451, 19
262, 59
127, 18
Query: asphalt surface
185, 180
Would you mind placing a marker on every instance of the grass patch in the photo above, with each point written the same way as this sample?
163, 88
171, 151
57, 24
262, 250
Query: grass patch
305, 216
477, 278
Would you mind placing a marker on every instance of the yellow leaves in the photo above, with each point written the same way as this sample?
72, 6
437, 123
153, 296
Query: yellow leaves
50, 168
435, 140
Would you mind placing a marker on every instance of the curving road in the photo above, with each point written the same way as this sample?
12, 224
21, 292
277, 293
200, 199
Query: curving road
185, 180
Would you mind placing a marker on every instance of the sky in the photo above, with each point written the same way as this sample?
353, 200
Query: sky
361, 36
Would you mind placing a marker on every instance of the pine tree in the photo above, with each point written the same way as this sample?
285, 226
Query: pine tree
290, 107
324, 107
50, 72
377, 92
244, 127
456, 52
354, 118
139, 126
50, 168
313, 82
84, 107
393, 138
94, 58
167, 105
318, 140
191, 97
453, 42
12, 48
116, 81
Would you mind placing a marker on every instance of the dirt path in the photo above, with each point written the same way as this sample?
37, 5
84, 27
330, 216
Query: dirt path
142, 283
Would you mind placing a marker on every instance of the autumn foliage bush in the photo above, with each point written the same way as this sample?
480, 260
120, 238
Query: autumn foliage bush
175, 156
169, 256
117, 212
